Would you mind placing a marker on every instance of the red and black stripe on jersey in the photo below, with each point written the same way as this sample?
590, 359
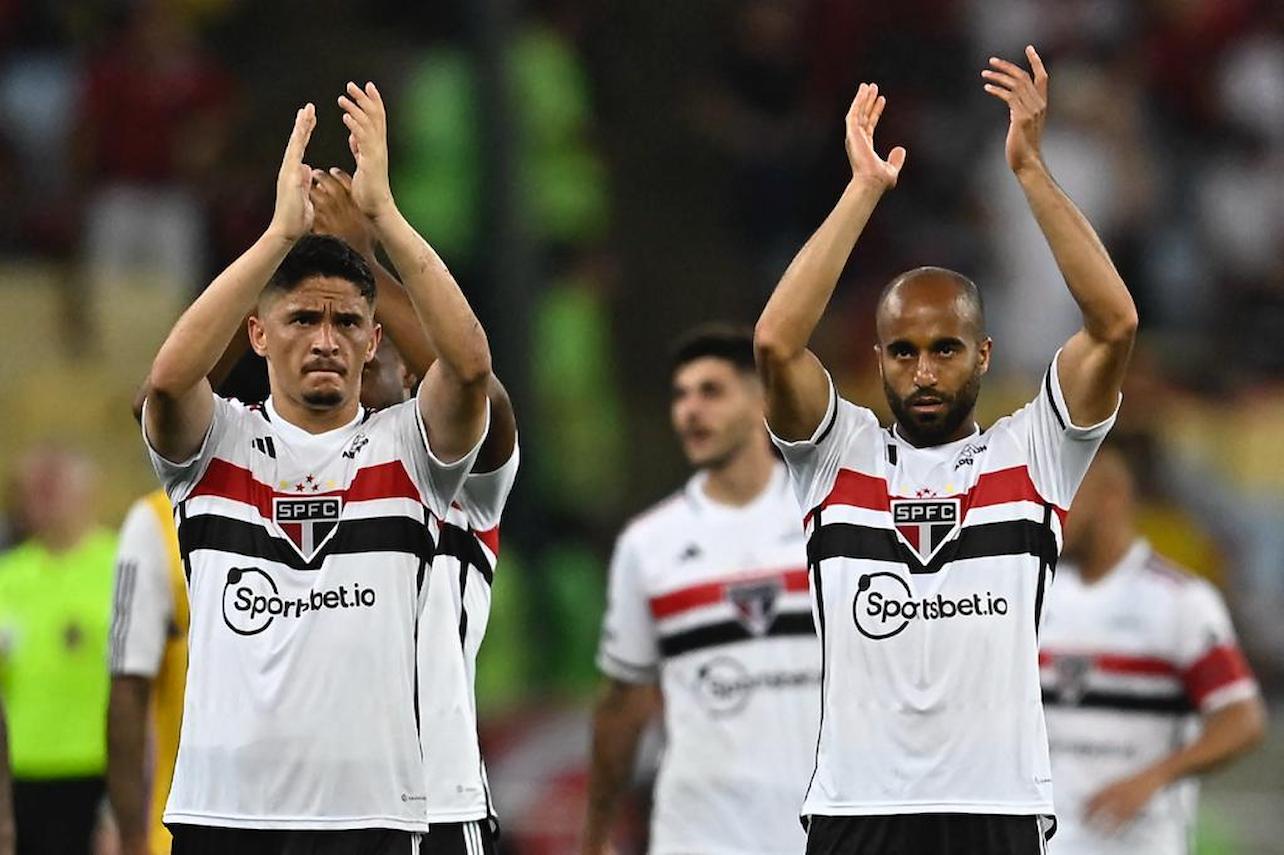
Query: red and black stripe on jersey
392, 533
788, 621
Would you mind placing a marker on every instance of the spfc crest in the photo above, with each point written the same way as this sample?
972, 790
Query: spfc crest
1072, 673
755, 603
924, 525
307, 521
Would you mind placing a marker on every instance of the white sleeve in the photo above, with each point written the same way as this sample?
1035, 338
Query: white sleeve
629, 649
813, 463
179, 478
1213, 668
484, 494
1060, 451
438, 482
143, 606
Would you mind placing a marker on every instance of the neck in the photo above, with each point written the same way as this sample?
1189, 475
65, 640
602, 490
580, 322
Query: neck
1104, 552
313, 420
743, 476
963, 431
65, 536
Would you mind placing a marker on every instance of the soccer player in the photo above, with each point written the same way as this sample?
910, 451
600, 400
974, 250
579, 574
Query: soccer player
456, 608
1144, 684
931, 543
305, 525
708, 601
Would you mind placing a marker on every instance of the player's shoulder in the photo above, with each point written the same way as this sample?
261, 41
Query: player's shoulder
1160, 570
661, 518
145, 514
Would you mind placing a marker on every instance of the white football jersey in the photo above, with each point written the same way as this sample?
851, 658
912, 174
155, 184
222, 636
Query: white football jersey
713, 600
143, 610
929, 567
1128, 662
454, 618
305, 556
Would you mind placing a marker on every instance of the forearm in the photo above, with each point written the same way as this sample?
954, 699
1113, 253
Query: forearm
1225, 735
126, 756
617, 730
1109, 314
799, 301
453, 331
202, 335
400, 321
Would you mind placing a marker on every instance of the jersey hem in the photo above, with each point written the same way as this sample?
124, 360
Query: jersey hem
988, 808
476, 814
310, 823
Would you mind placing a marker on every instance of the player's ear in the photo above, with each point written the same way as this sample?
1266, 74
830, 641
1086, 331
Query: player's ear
878, 359
373, 346
983, 350
258, 333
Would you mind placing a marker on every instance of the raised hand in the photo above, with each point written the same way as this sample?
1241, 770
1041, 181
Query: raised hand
337, 213
292, 217
367, 122
1027, 100
862, 118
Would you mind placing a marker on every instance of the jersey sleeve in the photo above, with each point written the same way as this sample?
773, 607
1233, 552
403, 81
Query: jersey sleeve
439, 482
485, 494
179, 478
629, 649
1214, 671
142, 606
813, 462
1060, 451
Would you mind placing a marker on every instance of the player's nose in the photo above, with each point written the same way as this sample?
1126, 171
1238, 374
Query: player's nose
924, 372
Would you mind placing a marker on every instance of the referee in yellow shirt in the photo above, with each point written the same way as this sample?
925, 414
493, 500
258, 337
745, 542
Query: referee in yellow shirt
55, 606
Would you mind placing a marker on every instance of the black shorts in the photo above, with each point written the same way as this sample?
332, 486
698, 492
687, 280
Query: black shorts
926, 834
208, 840
459, 838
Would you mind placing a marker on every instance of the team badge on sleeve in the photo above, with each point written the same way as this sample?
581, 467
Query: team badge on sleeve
308, 521
924, 525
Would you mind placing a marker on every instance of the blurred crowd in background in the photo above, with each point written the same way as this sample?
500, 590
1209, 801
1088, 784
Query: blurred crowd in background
603, 176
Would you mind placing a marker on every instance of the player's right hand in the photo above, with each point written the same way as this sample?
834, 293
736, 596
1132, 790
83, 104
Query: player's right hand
292, 218
862, 118
367, 121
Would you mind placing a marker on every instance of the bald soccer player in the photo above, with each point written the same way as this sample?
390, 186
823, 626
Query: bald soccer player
1144, 683
931, 543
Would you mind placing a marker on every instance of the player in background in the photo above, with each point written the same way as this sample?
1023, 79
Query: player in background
931, 543
708, 605
1144, 684
7, 834
299, 729
148, 657
456, 605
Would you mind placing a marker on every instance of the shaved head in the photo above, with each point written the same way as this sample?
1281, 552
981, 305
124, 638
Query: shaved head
934, 286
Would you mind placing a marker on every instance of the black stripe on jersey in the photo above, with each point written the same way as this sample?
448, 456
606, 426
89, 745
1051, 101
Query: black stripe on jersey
732, 631
865, 543
183, 552
1046, 568
818, 591
1175, 703
1052, 399
383, 534
461, 544
833, 420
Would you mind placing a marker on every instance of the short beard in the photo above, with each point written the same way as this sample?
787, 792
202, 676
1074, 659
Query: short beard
323, 400
958, 408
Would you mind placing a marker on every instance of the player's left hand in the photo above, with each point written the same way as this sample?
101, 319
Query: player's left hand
336, 212
1118, 804
1027, 100
363, 113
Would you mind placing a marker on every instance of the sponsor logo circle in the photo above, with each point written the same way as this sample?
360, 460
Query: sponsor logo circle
723, 686
247, 599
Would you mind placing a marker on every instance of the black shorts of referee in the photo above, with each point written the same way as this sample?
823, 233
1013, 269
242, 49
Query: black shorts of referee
927, 834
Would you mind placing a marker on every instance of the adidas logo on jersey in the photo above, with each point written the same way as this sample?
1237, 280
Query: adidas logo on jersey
251, 600
884, 606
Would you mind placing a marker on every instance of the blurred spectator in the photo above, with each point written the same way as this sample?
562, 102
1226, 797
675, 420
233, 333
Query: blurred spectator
55, 608
754, 112
155, 119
